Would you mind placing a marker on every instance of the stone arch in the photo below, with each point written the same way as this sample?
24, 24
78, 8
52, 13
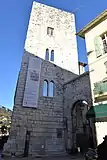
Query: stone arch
80, 125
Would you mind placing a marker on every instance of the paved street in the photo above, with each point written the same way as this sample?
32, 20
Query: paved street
63, 157
48, 158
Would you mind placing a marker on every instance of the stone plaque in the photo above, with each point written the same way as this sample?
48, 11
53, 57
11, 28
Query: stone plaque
32, 83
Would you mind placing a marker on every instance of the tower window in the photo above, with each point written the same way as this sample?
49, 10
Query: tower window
51, 89
48, 88
47, 54
45, 88
50, 31
52, 56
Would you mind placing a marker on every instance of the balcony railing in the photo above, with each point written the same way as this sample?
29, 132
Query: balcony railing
100, 88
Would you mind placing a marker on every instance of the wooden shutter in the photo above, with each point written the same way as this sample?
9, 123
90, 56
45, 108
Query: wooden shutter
98, 46
31, 93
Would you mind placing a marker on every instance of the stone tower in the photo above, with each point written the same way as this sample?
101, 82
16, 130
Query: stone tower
51, 36
38, 115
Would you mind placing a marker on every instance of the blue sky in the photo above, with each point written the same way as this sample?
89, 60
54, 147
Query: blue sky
14, 17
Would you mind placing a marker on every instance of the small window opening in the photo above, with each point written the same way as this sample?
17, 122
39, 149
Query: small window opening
45, 88
51, 89
50, 31
104, 41
47, 54
52, 56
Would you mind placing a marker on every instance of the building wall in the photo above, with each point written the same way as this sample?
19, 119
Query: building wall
97, 73
63, 41
101, 131
74, 91
42, 121
96, 65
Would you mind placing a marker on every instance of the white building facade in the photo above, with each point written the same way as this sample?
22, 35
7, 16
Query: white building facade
95, 34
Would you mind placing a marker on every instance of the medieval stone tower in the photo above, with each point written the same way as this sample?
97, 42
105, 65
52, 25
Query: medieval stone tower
50, 60
51, 36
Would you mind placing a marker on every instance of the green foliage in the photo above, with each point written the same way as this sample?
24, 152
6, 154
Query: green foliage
5, 120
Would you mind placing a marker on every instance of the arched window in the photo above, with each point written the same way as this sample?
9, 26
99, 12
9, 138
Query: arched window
51, 89
47, 54
45, 88
52, 56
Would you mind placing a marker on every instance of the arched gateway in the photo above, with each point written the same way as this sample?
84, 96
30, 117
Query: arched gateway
81, 130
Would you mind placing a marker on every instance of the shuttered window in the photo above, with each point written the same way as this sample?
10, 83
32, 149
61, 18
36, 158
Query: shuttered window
98, 46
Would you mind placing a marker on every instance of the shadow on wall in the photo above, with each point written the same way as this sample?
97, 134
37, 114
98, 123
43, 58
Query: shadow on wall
83, 128
3, 140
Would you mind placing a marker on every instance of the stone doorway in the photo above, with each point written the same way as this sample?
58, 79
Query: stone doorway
80, 126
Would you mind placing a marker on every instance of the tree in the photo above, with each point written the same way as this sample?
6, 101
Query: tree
4, 129
5, 120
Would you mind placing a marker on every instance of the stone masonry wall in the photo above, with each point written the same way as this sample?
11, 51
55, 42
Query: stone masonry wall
63, 41
74, 91
42, 122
